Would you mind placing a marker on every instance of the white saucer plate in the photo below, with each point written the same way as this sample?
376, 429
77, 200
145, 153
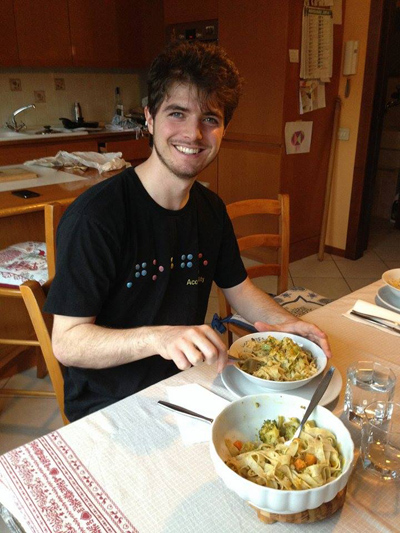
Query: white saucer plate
239, 386
385, 298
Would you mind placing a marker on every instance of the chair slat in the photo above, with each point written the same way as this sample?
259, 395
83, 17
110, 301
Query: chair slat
259, 240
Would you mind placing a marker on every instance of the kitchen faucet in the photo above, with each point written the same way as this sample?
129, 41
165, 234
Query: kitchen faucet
12, 124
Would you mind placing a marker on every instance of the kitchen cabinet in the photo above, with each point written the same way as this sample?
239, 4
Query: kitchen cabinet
142, 35
94, 32
21, 152
81, 33
176, 11
252, 162
134, 151
18, 151
8, 36
43, 33
250, 156
115, 33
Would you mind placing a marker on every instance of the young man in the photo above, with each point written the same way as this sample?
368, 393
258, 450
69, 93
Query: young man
137, 253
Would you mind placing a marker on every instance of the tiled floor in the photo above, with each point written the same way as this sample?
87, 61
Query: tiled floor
22, 419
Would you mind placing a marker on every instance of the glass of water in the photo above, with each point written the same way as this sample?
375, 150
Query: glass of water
380, 439
367, 382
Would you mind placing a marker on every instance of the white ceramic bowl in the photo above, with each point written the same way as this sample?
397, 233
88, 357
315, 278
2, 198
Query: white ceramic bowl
280, 386
242, 420
389, 276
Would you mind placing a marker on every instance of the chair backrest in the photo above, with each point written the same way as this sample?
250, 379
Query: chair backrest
52, 216
279, 241
34, 296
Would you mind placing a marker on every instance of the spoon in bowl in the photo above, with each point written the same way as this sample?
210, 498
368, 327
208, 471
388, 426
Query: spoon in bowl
319, 392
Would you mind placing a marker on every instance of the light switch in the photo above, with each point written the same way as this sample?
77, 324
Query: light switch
294, 56
344, 134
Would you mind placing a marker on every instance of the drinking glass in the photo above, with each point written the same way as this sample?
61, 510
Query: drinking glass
380, 439
367, 382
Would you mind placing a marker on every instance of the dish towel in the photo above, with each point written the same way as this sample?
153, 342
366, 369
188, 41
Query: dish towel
374, 310
200, 400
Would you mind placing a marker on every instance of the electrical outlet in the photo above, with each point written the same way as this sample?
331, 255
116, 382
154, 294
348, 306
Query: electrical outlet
40, 97
59, 84
344, 134
15, 84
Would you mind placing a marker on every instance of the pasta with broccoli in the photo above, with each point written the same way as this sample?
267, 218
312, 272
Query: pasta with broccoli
282, 360
310, 461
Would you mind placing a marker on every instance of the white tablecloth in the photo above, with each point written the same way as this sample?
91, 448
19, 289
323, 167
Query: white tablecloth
126, 469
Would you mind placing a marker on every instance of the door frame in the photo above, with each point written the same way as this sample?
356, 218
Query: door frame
370, 127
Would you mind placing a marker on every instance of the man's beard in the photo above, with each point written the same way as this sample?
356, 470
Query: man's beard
184, 174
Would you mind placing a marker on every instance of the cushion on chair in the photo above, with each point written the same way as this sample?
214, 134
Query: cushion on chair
297, 300
300, 301
23, 261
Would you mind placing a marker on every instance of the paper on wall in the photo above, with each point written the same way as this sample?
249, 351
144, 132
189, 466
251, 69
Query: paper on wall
298, 137
312, 95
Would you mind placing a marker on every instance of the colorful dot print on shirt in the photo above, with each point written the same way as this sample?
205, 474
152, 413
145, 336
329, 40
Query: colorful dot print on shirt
205, 262
187, 261
155, 269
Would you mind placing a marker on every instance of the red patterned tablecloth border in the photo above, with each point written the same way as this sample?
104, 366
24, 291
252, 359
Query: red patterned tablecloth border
59, 493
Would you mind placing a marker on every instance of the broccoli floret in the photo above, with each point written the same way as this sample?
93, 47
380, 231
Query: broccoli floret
269, 433
289, 428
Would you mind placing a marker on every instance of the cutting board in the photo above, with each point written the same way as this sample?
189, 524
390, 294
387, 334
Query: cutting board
18, 173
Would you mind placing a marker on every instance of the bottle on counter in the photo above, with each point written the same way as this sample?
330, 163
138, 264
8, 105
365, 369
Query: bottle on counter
119, 106
77, 112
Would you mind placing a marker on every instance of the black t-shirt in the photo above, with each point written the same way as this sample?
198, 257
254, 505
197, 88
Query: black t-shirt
128, 261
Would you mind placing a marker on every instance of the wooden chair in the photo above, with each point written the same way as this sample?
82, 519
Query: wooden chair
279, 241
33, 295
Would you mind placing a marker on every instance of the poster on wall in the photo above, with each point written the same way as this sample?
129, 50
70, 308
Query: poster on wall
298, 137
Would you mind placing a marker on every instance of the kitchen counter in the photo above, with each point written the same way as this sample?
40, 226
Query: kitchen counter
11, 137
17, 148
11, 205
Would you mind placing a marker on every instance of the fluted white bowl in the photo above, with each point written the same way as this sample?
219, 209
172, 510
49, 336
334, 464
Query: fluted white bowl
243, 418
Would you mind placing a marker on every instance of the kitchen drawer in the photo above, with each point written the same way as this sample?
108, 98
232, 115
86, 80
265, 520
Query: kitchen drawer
132, 149
18, 153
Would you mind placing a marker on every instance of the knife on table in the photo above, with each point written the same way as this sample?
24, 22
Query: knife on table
394, 326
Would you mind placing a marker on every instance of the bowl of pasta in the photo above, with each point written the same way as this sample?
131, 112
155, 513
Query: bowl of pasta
250, 453
282, 361
392, 280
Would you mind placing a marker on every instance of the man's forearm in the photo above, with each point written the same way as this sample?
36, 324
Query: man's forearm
253, 304
91, 346
81, 343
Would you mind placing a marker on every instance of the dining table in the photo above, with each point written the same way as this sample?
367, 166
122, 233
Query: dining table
133, 467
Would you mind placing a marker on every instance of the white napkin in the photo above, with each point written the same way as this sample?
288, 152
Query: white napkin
200, 400
375, 310
102, 162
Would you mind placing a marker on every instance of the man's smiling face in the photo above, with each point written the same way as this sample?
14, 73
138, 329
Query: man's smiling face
187, 131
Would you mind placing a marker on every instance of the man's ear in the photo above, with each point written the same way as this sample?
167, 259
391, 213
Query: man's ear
149, 120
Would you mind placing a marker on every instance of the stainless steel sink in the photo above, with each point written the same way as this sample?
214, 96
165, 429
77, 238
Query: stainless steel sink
6, 134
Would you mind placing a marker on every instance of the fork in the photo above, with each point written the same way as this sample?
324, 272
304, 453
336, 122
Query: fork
251, 364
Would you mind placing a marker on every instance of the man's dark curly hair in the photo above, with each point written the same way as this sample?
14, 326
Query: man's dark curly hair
206, 66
